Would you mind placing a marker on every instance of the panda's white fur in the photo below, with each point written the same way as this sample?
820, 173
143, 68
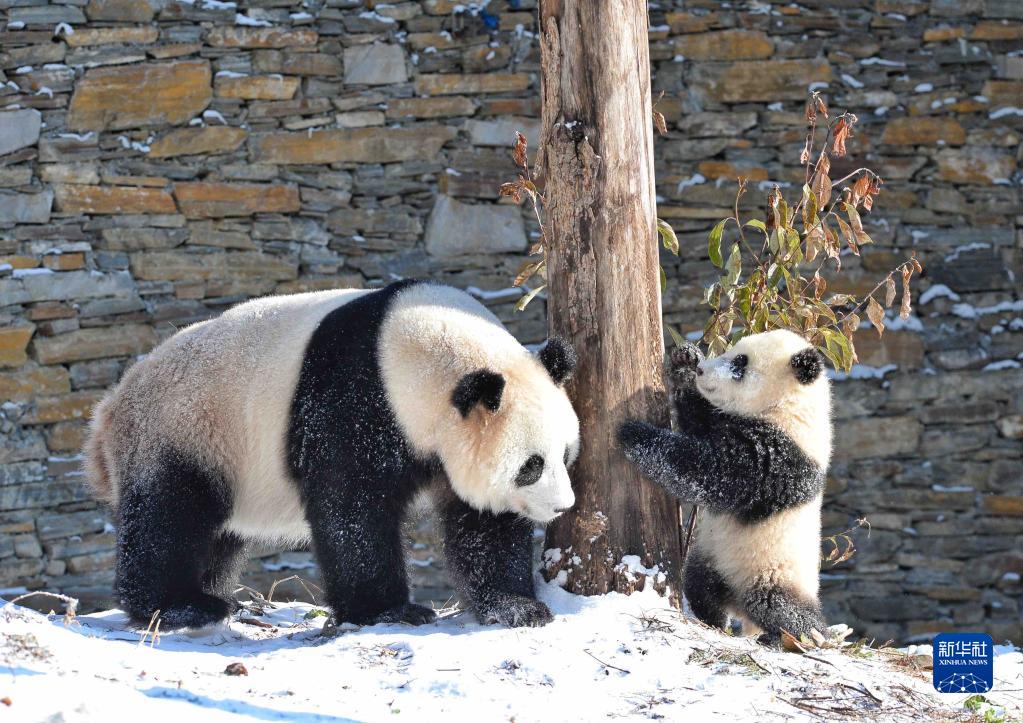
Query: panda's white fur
752, 447
214, 412
433, 336
221, 389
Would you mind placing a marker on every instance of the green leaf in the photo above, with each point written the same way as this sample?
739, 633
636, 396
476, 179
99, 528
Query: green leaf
714, 242
734, 265
664, 279
809, 209
529, 297
675, 336
668, 237
757, 224
792, 239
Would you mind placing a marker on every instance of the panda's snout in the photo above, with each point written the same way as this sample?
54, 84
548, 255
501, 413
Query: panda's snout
559, 510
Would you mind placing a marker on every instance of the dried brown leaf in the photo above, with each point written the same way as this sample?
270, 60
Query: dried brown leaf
821, 106
821, 187
659, 123
876, 315
841, 133
860, 189
520, 149
850, 325
889, 291
906, 306
513, 189
525, 271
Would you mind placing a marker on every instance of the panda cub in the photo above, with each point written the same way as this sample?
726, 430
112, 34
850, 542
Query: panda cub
318, 418
752, 449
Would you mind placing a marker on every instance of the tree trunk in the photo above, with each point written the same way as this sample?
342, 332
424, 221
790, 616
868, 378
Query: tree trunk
596, 155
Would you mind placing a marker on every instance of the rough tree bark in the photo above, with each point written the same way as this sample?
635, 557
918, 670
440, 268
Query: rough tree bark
596, 155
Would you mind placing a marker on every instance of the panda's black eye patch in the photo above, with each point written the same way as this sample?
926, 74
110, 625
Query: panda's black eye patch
530, 471
739, 364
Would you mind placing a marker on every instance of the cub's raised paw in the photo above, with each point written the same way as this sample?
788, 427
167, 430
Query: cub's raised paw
515, 611
682, 363
409, 613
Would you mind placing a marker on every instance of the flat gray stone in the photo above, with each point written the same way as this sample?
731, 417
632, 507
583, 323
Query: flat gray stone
500, 132
456, 229
377, 64
25, 207
47, 15
19, 129
73, 285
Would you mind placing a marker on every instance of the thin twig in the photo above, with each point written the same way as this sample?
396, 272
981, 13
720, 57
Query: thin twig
606, 665
301, 581
70, 603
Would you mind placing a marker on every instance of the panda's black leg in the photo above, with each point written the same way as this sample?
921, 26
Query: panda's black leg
491, 559
775, 608
708, 593
227, 558
359, 549
169, 516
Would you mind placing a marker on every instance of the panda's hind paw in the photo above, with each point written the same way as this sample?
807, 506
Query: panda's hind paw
515, 611
408, 613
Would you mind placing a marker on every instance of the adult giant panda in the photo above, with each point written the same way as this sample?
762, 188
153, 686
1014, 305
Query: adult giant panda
752, 448
318, 417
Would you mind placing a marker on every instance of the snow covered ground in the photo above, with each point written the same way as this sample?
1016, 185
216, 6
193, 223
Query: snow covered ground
607, 657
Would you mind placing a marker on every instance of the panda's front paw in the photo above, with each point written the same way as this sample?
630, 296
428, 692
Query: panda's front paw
632, 435
515, 611
682, 363
409, 613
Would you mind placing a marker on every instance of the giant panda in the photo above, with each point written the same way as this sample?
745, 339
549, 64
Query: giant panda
752, 448
318, 418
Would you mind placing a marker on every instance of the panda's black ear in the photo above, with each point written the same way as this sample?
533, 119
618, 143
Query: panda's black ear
480, 387
558, 358
808, 365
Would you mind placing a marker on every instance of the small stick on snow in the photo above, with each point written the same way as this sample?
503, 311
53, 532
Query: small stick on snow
155, 620
70, 603
606, 665
257, 623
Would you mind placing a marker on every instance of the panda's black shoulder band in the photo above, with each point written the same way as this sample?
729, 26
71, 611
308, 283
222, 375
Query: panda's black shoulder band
480, 387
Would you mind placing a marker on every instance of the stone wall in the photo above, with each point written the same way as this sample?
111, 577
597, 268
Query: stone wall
161, 160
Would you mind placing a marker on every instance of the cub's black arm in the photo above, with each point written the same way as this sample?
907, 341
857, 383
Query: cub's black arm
744, 467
